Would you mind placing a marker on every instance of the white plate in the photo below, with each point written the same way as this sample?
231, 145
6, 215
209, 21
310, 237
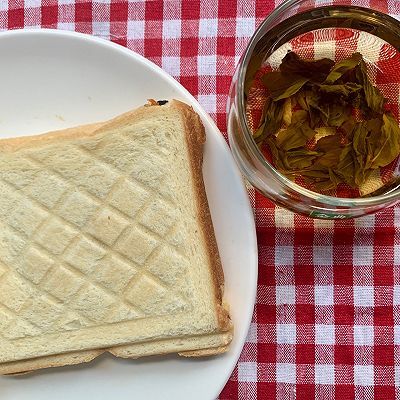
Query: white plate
54, 79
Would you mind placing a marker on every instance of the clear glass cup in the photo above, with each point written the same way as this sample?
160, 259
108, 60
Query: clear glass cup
289, 21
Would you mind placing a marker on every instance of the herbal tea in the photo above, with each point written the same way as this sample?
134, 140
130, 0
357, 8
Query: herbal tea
324, 104
329, 122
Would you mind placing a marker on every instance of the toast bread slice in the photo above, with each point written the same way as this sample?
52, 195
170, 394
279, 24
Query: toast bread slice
103, 169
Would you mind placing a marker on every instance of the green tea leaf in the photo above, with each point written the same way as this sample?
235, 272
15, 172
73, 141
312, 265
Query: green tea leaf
373, 96
278, 156
343, 89
300, 158
299, 116
348, 127
296, 135
287, 112
282, 86
252, 68
346, 167
389, 143
273, 119
331, 148
259, 132
343, 67
316, 71
333, 114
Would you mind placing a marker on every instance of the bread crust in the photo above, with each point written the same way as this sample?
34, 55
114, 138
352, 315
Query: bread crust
195, 137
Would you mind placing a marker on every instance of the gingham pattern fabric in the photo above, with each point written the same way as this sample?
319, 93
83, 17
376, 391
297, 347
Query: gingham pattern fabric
327, 318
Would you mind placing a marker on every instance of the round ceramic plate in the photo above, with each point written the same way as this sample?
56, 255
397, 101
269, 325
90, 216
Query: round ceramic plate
53, 80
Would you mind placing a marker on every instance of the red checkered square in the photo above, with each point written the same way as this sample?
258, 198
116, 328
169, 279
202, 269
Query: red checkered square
327, 318
49, 15
305, 354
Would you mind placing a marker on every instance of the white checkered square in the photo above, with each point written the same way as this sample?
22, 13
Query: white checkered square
324, 334
323, 295
283, 255
397, 376
286, 333
247, 371
371, 52
322, 255
284, 219
363, 296
364, 375
397, 334
207, 65
101, 28
285, 373
208, 28
245, 27
324, 374
172, 65
3, 5
396, 253
363, 255
363, 335
365, 222
252, 333
325, 49
172, 29
285, 295
66, 26
324, 224
32, 3
135, 30
208, 102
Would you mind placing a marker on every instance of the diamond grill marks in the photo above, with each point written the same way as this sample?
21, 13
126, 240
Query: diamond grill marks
70, 227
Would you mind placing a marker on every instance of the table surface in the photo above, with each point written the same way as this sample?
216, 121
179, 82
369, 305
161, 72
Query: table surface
327, 317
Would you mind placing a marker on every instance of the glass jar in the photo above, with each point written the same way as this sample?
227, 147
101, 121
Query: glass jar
288, 21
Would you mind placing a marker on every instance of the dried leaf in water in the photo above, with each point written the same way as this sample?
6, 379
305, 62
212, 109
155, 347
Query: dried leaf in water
296, 135
345, 89
316, 71
346, 168
252, 68
273, 119
287, 112
348, 127
330, 147
343, 67
373, 96
299, 116
282, 86
337, 114
333, 114
389, 144
259, 132
300, 158
277, 155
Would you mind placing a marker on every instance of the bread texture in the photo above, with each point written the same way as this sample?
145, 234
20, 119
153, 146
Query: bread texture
107, 243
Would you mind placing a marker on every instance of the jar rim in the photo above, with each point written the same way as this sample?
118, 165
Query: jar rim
248, 137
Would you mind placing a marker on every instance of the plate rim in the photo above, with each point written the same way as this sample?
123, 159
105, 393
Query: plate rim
217, 134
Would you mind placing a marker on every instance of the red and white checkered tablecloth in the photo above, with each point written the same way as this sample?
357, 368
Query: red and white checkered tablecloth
327, 318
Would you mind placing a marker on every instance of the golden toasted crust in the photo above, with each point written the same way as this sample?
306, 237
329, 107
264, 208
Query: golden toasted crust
14, 144
196, 137
205, 352
26, 366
